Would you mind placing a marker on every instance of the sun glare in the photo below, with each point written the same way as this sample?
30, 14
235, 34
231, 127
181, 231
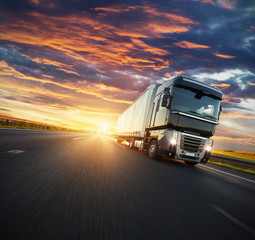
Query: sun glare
104, 127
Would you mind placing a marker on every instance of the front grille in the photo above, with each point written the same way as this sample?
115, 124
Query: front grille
192, 144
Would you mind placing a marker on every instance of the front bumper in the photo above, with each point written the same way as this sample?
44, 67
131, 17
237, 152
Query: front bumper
188, 147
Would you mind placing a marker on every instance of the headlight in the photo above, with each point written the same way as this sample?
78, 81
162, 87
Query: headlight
173, 139
208, 148
209, 145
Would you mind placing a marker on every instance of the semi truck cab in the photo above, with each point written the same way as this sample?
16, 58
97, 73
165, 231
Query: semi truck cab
184, 116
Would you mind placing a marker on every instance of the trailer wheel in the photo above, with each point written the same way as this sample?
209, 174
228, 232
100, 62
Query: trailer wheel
132, 143
153, 149
191, 163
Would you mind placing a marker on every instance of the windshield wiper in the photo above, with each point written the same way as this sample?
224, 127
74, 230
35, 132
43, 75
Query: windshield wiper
193, 112
202, 115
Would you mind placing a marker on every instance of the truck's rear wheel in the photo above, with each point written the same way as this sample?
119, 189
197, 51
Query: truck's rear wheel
153, 149
132, 143
191, 163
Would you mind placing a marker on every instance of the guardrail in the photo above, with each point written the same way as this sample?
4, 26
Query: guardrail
241, 162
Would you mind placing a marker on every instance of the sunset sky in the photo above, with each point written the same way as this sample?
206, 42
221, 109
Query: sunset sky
80, 64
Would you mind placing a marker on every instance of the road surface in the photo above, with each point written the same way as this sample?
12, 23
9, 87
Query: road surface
60, 185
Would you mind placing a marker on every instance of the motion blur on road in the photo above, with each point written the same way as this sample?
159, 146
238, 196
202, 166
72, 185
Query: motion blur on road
61, 185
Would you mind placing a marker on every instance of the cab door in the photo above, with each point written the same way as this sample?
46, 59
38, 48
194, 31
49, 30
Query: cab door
159, 114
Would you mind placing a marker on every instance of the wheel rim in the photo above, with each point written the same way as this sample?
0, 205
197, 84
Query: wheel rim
152, 149
131, 143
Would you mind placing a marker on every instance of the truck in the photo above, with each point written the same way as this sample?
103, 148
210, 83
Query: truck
175, 119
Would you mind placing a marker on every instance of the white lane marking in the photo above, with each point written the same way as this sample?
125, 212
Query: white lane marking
15, 151
120, 145
233, 219
233, 175
78, 138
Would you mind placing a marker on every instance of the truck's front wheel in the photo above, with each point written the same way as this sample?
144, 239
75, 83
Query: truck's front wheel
153, 149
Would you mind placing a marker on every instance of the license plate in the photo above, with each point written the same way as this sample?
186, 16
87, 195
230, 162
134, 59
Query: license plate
190, 154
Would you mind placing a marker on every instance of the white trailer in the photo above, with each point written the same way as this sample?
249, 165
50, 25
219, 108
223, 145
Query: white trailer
133, 121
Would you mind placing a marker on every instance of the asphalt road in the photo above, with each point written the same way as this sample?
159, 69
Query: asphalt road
57, 185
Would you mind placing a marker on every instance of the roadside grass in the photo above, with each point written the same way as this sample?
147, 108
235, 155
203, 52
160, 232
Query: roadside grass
25, 124
246, 155
37, 127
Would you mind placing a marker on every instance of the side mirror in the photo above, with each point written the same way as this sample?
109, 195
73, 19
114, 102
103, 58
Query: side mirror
166, 101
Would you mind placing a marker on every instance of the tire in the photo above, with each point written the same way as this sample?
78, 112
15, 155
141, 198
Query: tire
172, 156
153, 150
191, 163
132, 143
119, 140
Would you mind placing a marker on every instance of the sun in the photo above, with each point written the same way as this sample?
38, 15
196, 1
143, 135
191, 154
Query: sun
104, 126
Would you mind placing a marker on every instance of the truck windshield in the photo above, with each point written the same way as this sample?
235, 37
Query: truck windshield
195, 103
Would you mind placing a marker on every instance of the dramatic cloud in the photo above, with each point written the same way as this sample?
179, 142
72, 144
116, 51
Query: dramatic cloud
80, 63
190, 45
229, 4
223, 56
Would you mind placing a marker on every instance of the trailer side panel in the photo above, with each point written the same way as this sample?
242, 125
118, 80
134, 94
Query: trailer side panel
133, 121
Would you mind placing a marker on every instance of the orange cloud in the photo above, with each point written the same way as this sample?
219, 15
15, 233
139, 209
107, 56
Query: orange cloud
170, 16
178, 72
224, 86
230, 100
84, 87
190, 45
169, 22
168, 75
237, 115
116, 9
229, 4
224, 134
35, 1
251, 29
158, 27
149, 48
209, 1
236, 131
250, 141
48, 61
223, 55
83, 37
150, 11
239, 137
71, 96
228, 138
